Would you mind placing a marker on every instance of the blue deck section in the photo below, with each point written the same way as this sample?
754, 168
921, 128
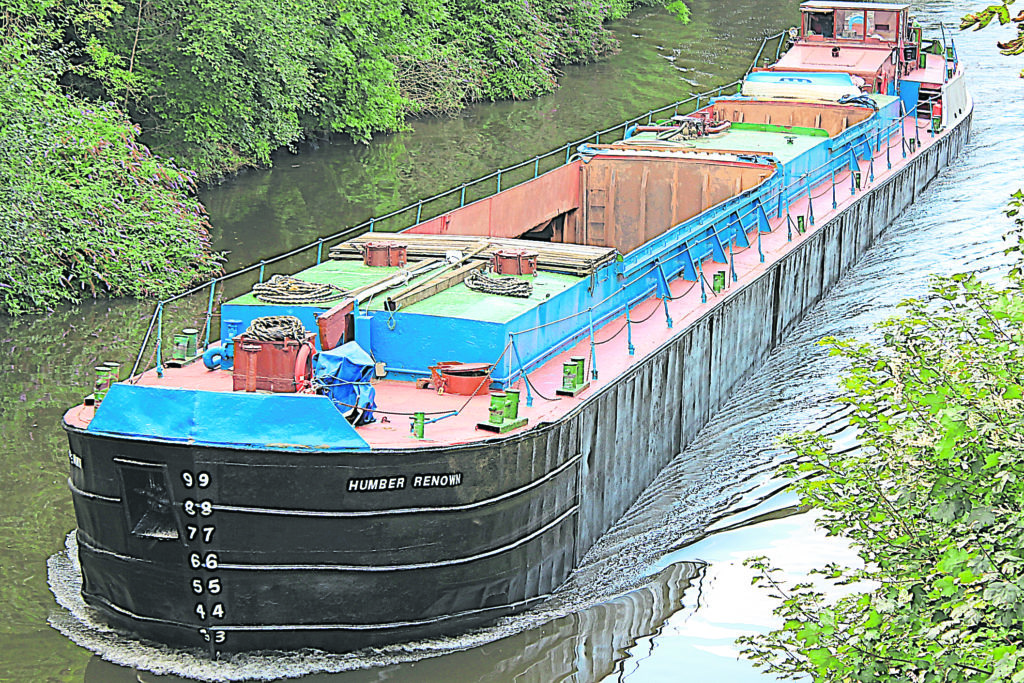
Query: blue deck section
281, 422
408, 343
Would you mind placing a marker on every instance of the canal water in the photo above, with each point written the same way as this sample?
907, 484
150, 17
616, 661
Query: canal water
664, 593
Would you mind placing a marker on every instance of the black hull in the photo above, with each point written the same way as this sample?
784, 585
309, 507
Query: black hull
299, 560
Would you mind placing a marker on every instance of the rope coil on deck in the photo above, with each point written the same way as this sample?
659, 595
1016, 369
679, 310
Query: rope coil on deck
285, 289
503, 286
276, 328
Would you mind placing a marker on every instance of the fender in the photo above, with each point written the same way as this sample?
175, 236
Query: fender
303, 366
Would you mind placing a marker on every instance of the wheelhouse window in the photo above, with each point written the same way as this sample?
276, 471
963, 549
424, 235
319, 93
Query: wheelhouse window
883, 25
819, 24
850, 24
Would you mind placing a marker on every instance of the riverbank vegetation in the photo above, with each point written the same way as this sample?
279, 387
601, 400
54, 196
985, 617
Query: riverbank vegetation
99, 98
932, 500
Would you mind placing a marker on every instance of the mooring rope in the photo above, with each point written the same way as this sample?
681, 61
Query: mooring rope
504, 286
276, 328
285, 289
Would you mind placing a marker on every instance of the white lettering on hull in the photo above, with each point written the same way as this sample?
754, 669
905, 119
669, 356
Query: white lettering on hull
419, 481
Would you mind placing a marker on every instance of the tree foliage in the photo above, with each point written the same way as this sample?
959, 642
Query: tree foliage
982, 18
933, 500
222, 83
85, 209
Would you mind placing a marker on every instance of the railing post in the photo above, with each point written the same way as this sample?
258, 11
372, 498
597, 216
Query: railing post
760, 252
629, 327
810, 203
522, 371
871, 169
834, 202
209, 313
567, 152
888, 146
462, 196
597, 138
263, 267
319, 250
499, 180
698, 266
536, 167
159, 338
371, 225
732, 262
419, 204
593, 346
650, 117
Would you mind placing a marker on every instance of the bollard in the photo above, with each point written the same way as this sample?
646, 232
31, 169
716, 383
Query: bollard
573, 377
568, 375
101, 385
113, 372
511, 404
193, 341
856, 179
800, 225
718, 281
913, 144
496, 413
179, 347
418, 420
581, 374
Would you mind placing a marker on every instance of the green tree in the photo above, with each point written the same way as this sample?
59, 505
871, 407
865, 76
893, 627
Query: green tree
85, 209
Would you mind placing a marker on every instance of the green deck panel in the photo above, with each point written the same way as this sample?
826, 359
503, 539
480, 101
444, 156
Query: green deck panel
748, 141
345, 274
455, 302
462, 302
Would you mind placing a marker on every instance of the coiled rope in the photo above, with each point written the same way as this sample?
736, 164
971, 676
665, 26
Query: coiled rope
276, 328
285, 289
502, 286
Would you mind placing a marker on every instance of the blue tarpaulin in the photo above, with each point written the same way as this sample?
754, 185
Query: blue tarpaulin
239, 419
344, 375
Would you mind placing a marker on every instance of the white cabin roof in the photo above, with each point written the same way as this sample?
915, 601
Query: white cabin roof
827, 5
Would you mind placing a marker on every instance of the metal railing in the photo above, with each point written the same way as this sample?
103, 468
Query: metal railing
426, 209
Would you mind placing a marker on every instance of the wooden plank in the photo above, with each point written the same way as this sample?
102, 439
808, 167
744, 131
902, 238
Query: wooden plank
437, 284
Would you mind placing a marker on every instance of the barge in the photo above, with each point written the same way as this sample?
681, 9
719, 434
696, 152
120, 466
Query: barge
426, 430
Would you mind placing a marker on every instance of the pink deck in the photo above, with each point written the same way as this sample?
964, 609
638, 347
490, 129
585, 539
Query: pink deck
394, 398
932, 72
858, 59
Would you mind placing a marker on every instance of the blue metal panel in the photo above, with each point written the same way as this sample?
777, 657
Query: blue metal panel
289, 422
409, 343
909, 94
248, 313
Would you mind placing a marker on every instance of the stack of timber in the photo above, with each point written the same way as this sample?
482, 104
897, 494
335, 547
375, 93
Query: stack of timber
571, 259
